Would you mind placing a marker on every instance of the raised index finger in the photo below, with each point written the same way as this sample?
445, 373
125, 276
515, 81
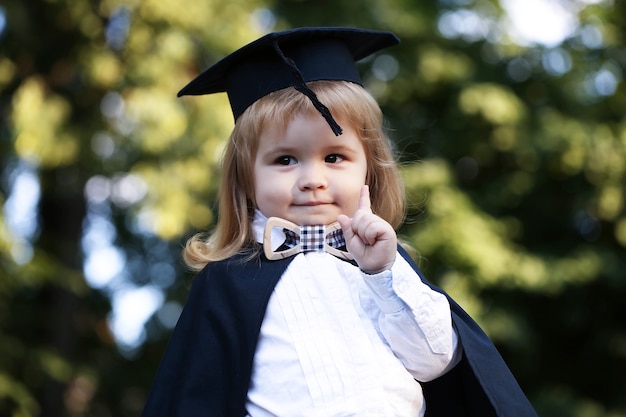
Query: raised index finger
364, 201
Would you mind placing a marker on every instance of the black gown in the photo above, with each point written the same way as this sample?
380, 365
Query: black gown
207, 366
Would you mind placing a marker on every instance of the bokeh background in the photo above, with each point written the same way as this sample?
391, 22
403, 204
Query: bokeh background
508, 116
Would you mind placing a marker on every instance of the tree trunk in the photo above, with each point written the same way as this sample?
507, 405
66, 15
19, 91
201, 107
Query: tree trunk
62, 211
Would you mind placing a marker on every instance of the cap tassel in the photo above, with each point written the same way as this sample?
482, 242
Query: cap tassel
301, 86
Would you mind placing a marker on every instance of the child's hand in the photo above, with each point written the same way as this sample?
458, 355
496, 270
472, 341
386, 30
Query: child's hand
369, 239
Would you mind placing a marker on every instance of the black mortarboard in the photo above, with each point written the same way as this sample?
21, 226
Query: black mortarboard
290, 59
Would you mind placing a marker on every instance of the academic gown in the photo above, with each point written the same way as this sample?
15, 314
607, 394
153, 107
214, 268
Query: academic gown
207, 366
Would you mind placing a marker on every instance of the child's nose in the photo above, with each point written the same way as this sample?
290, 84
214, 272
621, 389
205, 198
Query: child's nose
313, 177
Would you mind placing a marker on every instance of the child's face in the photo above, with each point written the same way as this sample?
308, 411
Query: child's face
308, 175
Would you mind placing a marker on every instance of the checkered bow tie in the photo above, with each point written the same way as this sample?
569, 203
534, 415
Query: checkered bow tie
318, 238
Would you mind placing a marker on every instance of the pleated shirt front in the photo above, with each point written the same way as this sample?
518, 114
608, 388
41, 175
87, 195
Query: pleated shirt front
338, 342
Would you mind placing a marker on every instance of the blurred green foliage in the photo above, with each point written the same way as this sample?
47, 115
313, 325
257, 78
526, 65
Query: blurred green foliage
514, 157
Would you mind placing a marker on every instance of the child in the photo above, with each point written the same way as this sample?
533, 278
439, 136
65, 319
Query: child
305, 304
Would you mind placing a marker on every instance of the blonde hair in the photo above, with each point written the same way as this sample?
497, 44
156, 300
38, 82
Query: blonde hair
347, 102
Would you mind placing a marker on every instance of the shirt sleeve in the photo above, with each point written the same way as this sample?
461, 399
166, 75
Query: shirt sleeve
415, 321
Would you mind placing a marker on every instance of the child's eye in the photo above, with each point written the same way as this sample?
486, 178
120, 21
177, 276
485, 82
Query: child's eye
333, 158
286, 160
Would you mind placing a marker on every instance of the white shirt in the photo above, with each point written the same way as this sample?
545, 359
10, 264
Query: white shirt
337, 342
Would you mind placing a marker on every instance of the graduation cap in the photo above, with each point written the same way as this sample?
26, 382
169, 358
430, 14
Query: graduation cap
290, 58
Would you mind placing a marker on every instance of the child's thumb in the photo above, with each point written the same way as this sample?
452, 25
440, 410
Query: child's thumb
346, 226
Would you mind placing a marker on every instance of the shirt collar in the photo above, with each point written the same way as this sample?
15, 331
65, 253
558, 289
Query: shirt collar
258, 226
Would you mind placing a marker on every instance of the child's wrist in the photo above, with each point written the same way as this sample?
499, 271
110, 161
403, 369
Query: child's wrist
376, 271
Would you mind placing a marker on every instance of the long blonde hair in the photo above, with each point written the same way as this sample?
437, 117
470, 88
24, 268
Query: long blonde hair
348, 102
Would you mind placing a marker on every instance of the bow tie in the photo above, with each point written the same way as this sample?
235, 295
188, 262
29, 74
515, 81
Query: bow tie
318, 238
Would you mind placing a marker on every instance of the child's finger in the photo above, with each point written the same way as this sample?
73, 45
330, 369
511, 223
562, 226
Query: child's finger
346, 225
364, 201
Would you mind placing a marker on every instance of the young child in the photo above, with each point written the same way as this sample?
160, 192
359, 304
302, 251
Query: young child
305, 304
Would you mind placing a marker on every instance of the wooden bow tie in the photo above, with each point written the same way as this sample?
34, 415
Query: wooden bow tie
308, 239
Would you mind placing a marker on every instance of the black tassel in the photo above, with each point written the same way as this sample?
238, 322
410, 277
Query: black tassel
301, 86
